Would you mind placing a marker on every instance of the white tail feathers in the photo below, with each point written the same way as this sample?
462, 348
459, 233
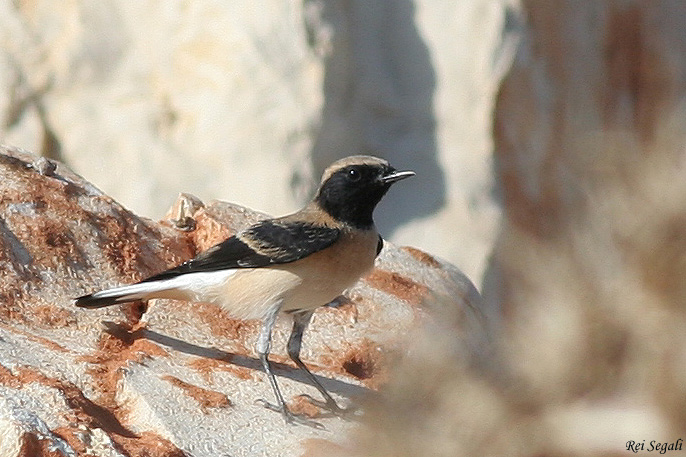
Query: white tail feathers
187, 286
123, 294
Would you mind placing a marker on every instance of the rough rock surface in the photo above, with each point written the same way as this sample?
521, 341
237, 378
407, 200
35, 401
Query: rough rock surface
179, 379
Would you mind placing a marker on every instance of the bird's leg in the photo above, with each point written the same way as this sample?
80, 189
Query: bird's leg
300, 322
263, 347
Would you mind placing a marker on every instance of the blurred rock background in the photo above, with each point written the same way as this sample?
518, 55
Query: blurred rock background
585, 288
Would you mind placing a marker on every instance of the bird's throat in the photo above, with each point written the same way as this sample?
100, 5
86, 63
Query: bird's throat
358, 215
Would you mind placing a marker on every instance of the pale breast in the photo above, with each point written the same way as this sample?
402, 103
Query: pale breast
326, 274
252, 293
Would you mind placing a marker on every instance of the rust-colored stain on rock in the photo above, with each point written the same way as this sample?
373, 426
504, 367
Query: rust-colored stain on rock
117, 347
148, 444
47, 316
134, 311
240, 332
344, 313
209, 231
423, 257
301, 405
206, 398
72, 437
206, 366
397, 285
33, 446
366, 361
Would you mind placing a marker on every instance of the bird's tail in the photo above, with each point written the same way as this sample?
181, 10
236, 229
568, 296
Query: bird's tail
189, 287
123, 294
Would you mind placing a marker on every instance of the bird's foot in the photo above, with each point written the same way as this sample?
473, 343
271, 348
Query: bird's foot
289, 416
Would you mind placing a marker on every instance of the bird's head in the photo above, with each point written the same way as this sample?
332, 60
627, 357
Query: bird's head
351, 188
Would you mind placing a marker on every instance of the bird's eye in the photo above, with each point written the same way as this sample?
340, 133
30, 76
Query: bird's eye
354, 175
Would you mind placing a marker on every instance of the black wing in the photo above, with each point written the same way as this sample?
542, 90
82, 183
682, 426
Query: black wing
266, 243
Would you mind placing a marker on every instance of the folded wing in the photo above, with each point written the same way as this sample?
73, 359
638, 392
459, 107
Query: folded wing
266, 243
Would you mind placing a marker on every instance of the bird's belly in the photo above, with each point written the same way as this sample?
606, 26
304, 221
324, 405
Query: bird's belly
326, 274
252, 293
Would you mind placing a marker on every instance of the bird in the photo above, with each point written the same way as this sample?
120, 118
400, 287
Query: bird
292, 264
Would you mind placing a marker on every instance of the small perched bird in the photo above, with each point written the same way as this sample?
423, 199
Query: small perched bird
291, 264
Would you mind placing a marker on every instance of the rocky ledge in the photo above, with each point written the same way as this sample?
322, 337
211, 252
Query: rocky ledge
169, 378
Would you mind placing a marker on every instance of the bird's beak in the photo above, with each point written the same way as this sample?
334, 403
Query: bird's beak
396, 176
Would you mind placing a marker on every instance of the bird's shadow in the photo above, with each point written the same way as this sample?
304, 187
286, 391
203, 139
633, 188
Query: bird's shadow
342, 388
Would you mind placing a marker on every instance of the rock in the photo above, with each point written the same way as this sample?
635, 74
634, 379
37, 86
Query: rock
176, 378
